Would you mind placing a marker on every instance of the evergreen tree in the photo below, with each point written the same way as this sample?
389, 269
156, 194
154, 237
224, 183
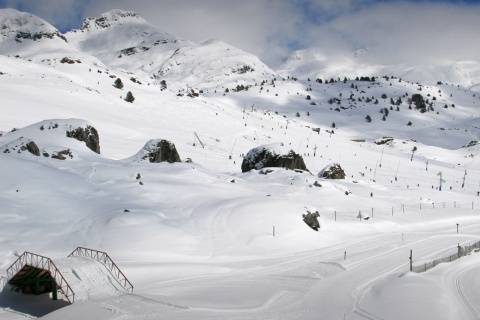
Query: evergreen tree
163, 85
129, 98
118, 83
368, 118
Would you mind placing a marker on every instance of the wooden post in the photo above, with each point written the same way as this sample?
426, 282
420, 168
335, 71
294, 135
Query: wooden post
345, 256
420, 206
457, 227
403, 208
372, 212
274, 231
335, 215
54, 289
411, 261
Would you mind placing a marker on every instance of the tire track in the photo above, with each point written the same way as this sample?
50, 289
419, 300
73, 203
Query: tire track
462, 295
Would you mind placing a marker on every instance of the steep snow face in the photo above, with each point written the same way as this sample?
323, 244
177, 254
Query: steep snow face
111, 18
212, 62
114, 31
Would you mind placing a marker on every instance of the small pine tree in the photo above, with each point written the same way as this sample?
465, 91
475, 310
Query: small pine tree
163, 85
118, 83
129, 98
368, 118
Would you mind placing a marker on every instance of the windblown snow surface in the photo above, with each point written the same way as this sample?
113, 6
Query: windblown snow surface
201, 239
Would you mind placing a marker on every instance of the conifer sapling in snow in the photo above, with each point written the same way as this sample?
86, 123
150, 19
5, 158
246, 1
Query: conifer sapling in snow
118, 83
129, 98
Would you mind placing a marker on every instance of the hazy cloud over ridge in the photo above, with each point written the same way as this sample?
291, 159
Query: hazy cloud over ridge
414, 32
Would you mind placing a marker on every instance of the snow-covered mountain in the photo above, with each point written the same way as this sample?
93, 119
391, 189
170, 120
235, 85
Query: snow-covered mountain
27, 35
312, 63
199, 238
125, 40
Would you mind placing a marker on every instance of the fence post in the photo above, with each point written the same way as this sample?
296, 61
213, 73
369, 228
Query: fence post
274, 231
335, 215
345, 256
459, 250
411, 261
420, 206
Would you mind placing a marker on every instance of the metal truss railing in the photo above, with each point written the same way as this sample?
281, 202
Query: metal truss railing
107, 261
41, 262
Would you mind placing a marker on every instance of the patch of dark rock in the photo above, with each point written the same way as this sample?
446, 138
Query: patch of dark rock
311, 219
89, 135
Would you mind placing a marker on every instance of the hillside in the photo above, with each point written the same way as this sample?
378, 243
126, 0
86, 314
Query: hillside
311, 63
198, 238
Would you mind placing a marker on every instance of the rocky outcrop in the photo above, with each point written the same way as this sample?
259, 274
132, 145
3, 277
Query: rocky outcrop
273, 155
311, 219
333, 171
89, 135
32, 148
159, 150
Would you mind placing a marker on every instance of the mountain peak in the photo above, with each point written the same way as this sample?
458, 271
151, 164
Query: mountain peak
23, 25
110, 18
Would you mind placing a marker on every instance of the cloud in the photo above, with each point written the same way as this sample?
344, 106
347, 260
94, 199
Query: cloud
405, 31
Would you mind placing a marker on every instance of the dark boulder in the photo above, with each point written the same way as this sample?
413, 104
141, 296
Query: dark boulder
33, 149
311, 219
161, 151
274, 155
333, 171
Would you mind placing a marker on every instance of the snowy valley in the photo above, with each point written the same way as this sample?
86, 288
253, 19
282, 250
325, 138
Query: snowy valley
201, 239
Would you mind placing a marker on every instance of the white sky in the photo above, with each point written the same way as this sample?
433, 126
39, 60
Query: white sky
393, 31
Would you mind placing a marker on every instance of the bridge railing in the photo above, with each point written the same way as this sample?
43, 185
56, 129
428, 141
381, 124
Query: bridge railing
42, 262
107, 261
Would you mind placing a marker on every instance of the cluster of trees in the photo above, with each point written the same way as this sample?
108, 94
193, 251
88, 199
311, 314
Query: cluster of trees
119, 85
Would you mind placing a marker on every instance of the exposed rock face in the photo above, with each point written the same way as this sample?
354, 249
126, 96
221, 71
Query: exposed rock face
33, 149
335, 171
311, 219
89, 135
162, 151
272, 156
